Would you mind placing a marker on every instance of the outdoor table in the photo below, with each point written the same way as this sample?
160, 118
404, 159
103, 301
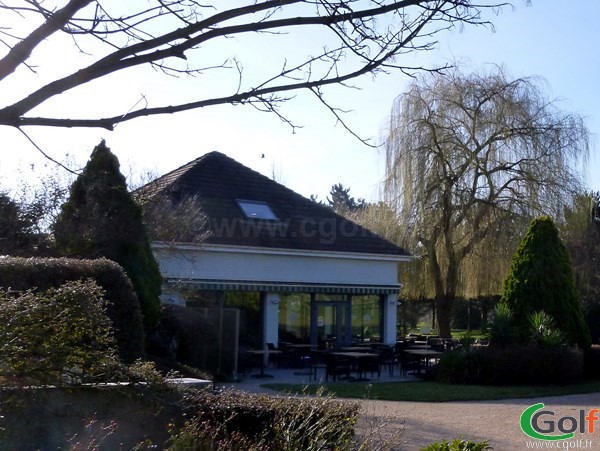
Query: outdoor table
355, 357
299, 356
262, 353
362, 349
425, 355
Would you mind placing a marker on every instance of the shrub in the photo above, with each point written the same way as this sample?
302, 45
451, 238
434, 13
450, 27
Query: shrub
543, 332
55, 336
541, 279
511, 365
39, 274
101, 219
502, 330
458, 445
237, 420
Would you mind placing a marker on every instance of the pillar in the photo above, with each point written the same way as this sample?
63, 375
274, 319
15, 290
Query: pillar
270, 309
390, 319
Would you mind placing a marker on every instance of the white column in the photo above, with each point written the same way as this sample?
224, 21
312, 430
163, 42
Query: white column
389, 319
270, 318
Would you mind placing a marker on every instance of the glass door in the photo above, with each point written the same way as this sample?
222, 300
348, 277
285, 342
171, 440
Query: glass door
329, 324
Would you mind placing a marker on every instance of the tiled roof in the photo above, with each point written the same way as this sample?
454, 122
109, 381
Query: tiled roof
219, 182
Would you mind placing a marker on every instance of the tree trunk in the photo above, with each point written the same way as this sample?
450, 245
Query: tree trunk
443, 304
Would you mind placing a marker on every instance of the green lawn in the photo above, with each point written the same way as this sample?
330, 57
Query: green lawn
437, 392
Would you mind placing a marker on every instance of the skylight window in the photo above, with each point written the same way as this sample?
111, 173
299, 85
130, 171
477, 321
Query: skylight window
256, 210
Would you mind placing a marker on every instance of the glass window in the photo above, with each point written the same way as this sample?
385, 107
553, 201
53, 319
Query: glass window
294, 318
256, 210
331, 297
366, 318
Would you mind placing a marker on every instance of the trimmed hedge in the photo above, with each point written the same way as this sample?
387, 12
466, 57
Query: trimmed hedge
39, 274
511, 365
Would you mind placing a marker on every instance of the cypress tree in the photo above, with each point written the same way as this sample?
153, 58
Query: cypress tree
101, 219
541, 279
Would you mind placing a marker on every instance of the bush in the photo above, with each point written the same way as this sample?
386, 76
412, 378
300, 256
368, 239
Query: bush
541, 279
502, 331
237, 420
61, 335
101, 219
39, 274
511, 365
458, 445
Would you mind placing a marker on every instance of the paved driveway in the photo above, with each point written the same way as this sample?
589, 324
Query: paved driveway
495, 421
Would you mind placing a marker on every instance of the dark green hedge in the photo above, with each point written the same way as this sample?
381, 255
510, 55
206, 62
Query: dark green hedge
20, 274
511, 365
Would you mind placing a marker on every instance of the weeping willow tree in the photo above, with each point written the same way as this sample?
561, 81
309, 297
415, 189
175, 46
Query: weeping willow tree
470, 159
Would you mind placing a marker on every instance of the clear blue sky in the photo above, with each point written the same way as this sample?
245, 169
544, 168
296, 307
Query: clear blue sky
552, 39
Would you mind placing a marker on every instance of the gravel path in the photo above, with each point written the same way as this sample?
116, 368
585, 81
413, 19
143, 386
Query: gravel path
494, 421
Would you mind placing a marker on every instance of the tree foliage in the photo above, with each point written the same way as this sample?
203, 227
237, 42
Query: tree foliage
175, 222
342, 202
471, 158
101, 219
16, 228
176, 37
581, 232
541, 280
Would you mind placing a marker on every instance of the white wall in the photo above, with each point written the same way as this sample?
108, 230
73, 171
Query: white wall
269, 265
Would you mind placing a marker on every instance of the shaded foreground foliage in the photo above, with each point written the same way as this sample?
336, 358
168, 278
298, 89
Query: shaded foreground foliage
40, 274
54, 336
511, 365
61, 338
238, 421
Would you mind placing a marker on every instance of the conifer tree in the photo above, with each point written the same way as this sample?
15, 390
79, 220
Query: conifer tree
541, 280
100, 219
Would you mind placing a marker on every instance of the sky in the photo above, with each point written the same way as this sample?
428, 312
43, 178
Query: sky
551, 39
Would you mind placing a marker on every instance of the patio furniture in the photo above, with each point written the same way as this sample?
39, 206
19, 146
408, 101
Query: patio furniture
387, 358
262, 355
336, 365
425, 357
298, 355
355, 349
275, 357
317, 362
361, 363
368, 364
409, 362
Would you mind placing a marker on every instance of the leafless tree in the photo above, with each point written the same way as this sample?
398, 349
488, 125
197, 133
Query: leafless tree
468, 158
175, 222
173, 36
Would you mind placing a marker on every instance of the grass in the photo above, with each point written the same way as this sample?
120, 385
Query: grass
426, 391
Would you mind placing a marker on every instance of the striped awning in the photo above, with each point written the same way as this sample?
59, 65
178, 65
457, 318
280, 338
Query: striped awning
281, 287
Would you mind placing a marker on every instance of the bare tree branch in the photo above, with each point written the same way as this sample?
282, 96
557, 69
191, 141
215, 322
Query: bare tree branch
163, 32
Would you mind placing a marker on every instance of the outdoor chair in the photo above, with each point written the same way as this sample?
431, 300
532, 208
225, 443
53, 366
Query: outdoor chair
336, 366
408, 363
387, 359
274, 358
369, 365
317, 362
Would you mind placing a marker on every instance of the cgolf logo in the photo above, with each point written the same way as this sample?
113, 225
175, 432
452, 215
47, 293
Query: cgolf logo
545, 425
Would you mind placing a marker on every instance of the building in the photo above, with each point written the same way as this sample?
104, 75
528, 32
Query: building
295, 270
